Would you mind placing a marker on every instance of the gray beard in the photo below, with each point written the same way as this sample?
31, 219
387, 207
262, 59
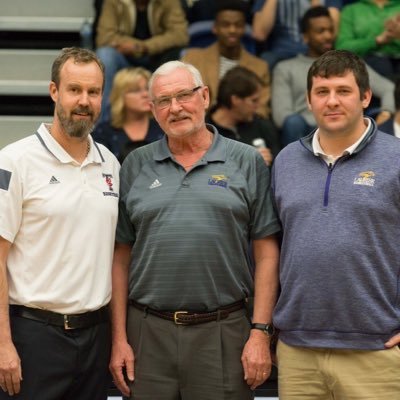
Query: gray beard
76, 129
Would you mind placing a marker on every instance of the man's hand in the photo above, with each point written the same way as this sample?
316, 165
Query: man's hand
382, 117
266, 155
393, 341
10, 369
136, 49
122, 358
256, 358
392, 26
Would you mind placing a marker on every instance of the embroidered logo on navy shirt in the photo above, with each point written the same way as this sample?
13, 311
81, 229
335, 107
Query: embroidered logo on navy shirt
365, 178
218, 180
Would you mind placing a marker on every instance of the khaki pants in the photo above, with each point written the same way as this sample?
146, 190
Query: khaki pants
197, 362
327, 374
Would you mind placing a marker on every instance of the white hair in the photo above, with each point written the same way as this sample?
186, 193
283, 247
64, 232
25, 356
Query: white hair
170, 66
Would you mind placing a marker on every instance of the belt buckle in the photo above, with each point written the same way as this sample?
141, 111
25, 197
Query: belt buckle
176, 317
66, 323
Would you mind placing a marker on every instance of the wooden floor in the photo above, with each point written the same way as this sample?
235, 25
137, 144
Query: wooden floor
258, 398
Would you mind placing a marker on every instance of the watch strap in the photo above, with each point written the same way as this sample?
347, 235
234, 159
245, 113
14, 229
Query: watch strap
268, 329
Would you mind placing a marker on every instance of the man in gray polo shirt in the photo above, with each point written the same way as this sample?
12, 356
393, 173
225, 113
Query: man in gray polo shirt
189, 205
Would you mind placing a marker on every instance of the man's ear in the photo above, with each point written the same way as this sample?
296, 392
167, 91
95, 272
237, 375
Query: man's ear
53, 91
205, 94
235, 100
308, 101
366, 99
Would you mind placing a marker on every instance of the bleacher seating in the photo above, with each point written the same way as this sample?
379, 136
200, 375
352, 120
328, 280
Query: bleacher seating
31, 35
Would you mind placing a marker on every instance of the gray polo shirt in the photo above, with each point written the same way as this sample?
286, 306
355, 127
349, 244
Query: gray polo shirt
190, 230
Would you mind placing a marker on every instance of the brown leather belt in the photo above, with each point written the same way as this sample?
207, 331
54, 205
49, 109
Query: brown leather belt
191, 317
67, 321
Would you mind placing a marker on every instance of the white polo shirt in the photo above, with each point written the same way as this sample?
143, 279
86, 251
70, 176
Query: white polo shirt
60, 217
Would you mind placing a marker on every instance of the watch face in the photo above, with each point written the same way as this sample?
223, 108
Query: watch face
269, 329
266, 328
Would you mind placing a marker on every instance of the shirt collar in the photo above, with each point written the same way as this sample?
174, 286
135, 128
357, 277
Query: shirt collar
57, 151
217, 151
396, 129
318, 151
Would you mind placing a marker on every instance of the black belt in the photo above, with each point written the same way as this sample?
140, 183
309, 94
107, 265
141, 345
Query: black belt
67, 321
191, 317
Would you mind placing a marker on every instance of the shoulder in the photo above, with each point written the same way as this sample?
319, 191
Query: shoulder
294, 62
169, 4
387, 126
241, 153
154, 132
103, 129
390, 142
142, 154
19, 149
196, 52
254, 62
288, 155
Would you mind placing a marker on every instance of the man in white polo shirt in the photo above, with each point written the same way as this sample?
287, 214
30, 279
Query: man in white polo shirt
58, 212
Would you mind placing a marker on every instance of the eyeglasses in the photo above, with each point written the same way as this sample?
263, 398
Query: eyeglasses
181, 97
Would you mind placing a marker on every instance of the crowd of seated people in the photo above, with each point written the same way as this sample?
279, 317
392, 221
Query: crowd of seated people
267, 37
289, 104
235, 112
371, 29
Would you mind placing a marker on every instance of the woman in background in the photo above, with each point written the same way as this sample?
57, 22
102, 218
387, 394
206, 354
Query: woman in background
131, 124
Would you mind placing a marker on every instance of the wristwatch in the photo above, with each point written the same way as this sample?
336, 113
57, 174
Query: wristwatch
268, 329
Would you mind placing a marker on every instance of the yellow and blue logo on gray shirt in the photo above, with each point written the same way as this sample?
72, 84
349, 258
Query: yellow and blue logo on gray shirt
218, 180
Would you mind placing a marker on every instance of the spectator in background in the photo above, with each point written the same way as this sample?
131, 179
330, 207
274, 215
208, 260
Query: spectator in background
228, 51
203, 10
290, 110
235, 114
97, 5
276, 26
392, 125
371, 29
143, 33
131, 124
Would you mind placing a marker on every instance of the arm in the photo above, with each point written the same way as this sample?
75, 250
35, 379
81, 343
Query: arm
283, 96
393, 341
256, 356
10, 363
264, 20
356, 33
122, 357
264, 108
383, 89
335, 15
108, 28
174, 30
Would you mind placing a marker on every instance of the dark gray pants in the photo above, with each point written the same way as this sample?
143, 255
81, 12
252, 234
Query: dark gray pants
60, 364
197, 362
